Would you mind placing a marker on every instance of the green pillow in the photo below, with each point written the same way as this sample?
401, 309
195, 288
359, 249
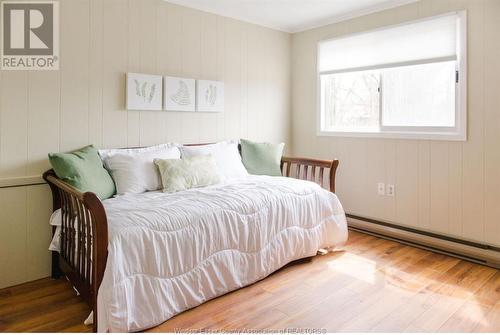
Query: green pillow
182, 174
83, 169
262, 158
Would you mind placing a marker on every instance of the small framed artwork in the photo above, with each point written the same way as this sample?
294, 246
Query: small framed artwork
210, 96
144, 92
179, 94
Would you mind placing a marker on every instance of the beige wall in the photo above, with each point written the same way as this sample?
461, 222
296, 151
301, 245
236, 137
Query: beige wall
83, 103
447, 187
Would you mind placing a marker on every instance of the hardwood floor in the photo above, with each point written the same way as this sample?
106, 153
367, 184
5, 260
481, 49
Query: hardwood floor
373, 285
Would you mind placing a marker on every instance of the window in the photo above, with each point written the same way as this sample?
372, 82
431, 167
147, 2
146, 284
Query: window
406, 81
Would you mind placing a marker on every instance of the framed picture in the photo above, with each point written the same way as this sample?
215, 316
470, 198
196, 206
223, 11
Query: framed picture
144, 92
179, 94
210, 96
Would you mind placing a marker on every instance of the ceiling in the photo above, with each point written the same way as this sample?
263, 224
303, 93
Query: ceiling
291, 15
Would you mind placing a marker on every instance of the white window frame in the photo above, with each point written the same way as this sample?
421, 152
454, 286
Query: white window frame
457, 133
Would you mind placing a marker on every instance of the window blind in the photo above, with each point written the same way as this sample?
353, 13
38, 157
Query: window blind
416, 42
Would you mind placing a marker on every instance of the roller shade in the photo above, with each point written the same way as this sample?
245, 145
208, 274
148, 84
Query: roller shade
434, 38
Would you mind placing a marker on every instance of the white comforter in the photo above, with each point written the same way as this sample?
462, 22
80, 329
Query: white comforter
171, 252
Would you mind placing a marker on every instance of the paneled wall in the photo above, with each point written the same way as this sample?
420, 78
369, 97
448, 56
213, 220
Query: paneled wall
451, 188
84, 102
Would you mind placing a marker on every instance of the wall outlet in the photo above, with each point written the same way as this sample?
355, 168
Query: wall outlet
381, 188
390, 190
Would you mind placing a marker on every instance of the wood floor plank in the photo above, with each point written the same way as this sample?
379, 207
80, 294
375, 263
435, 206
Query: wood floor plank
42, 306
420, 279
489, 293
491, 322
453, 294
475, 311
371, 285
469, 316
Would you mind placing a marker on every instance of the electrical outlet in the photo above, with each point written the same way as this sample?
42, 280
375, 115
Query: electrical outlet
390, 190
381, 188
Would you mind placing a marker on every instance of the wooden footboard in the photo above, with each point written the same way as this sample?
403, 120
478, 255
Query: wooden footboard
319, 171
84, 239
84, 229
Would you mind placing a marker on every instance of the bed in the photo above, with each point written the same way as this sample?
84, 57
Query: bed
140, 259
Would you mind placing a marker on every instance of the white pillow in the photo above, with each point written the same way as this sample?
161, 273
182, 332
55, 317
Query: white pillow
105, 153
133, 170
226, 154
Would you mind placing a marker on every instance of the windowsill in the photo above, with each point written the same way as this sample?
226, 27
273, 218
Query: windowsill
442, 136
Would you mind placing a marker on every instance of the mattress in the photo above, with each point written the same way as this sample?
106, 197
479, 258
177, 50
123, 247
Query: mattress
170, 252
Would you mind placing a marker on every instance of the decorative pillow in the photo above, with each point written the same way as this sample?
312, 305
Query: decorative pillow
182, 174
262, 158
83, 169
226, 155
134, 171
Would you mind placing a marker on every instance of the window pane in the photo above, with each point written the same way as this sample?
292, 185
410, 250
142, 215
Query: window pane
419, 95
350, 101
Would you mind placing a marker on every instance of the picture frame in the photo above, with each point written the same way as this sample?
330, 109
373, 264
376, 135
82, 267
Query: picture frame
209, 96
179, 94
144, 91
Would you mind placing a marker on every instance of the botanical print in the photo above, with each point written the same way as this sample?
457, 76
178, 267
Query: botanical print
181, 97
144, 92
179, 94
210, 96
140, 90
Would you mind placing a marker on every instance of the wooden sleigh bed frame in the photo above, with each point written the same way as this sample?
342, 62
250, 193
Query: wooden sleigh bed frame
84, 227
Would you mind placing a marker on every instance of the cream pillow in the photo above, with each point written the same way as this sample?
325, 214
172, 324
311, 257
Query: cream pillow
182, 174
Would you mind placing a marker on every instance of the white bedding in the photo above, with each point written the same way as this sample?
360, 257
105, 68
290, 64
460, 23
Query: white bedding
171, 252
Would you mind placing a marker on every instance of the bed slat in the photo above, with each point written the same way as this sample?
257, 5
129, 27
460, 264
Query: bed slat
301, 170
84, 238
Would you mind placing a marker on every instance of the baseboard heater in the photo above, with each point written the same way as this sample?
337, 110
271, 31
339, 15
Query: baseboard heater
472, 251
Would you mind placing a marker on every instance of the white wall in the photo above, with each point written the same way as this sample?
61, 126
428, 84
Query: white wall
83, 103
451, 188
